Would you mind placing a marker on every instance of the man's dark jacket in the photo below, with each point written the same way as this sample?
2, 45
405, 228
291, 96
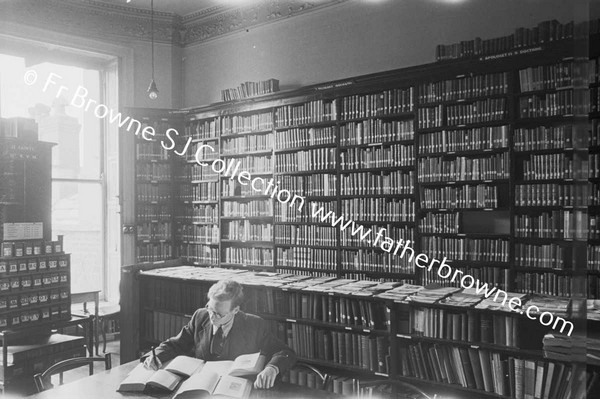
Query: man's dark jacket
248, 334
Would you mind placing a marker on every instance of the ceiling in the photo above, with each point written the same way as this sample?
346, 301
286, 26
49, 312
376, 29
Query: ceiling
181, 7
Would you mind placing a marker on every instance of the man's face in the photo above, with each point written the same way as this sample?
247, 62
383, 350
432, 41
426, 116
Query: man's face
220, 312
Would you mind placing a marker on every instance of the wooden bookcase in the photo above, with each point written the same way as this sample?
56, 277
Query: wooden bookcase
374, 146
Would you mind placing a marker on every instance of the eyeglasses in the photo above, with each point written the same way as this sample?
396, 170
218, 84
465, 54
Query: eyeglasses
214, 313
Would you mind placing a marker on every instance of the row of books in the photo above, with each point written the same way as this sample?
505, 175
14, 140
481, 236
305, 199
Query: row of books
285, 213
465, 87
153, 172
379, 209
378, 183
245, 230
307, 258
205, 152
146, 212
256, 208
151, 152
549, 104
594, 168
544, 32
563, 347
304, 137
486, 371
195, 172
206, 234
544, 77
430, 117
153, 193
161, 326
199, 213
305, 235
388, 102
593, 257
18, 248
248, 256
240, 124
233, 188
363, 260
543, 138
251, 143
497, 276
376, 131
553, 224
203, 191
316, 159
548, 166
546, 283
311, 112
254, 164
250, 89
594, 227
440, 223
463, 197
469, 249
438, 169
203, 129
489, 110
391, 231
473, 139
547, 194
544, 255
314, 185
469, 326
152, 252
154, 231
377, 157
350, 349
201, 254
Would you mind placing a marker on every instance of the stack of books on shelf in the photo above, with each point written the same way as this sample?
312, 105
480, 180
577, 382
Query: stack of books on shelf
250, 89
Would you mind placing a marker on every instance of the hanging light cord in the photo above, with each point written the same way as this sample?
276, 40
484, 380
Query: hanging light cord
152, 33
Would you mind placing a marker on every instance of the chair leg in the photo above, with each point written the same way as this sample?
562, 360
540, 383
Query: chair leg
103, 335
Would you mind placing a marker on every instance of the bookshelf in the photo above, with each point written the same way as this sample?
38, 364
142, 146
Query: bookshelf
470, 159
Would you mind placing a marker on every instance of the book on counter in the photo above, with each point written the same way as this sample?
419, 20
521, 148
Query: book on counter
173, 372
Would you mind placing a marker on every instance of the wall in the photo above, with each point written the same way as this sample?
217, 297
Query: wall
353, 38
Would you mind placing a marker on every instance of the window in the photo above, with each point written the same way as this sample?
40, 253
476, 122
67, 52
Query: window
79, 187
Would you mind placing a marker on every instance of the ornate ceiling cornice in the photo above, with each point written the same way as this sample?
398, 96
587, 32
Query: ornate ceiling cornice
205, 26
101, 20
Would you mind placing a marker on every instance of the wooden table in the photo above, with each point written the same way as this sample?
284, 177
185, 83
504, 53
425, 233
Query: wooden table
84, 297
103, 385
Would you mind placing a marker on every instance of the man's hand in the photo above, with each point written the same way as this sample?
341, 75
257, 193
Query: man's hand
150, 362
266, 378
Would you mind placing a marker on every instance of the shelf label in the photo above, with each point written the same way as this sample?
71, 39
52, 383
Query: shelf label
382, 374
367, 331
474, 346
348, 328
291, 320
403, 336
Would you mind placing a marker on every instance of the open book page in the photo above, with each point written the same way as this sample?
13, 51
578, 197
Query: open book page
164, 379
185, 365
233, 387
198, 385
136, 379
248, 365
220, 367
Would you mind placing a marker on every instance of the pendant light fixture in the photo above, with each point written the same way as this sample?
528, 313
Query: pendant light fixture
152, 89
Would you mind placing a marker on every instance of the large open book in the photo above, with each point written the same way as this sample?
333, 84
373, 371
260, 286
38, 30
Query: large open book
166, 378
223, 378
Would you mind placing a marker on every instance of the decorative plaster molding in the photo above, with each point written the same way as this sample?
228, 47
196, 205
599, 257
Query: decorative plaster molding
98, 20
202, 27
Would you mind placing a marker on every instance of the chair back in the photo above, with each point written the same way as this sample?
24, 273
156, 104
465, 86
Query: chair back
325, 378
42, 380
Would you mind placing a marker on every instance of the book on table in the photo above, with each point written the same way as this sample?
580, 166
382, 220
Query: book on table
166, 378
223, 378
182, 367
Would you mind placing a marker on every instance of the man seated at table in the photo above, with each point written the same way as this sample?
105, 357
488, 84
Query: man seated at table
221, 331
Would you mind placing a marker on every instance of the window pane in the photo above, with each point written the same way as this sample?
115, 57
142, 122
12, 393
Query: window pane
77, 214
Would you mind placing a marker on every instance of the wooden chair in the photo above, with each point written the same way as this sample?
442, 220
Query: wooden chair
42, 380
325, 378
398, 388
105, 314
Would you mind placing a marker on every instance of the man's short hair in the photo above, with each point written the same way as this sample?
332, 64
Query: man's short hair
227, 290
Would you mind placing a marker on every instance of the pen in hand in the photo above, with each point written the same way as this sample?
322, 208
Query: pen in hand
154, 358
